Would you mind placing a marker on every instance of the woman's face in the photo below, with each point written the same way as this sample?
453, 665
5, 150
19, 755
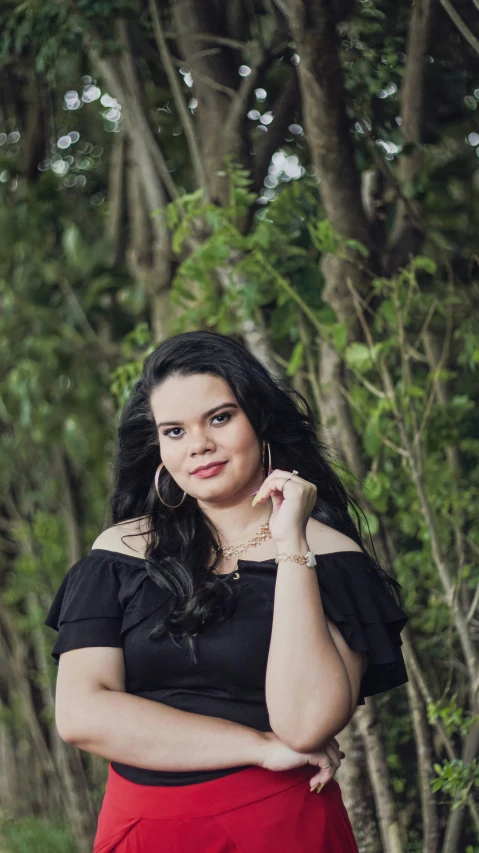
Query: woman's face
190, 435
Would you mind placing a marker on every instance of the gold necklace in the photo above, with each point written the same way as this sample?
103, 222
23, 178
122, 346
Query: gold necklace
236, 550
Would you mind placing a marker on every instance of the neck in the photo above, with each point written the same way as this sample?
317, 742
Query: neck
236, 523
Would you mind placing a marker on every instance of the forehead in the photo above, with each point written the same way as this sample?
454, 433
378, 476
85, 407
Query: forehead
190, 395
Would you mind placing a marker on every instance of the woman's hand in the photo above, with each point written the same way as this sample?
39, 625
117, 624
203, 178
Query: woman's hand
278, 756
292, 507
330, 752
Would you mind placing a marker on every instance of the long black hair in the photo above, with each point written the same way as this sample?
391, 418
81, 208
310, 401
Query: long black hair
181, 540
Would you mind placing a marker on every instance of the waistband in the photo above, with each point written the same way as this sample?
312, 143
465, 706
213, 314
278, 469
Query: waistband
202, 798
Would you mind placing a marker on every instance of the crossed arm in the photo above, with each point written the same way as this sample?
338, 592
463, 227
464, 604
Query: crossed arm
313, 677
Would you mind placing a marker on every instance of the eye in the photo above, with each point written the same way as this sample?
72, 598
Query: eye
226, 415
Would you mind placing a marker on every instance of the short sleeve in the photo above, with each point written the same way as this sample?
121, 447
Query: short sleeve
363, 607
86, 610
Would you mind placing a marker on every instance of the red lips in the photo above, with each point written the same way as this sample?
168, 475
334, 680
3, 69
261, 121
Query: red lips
209, 465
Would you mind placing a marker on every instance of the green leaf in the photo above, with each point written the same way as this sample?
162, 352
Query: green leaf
358, 247
340, 336
296, 360
184, 292
371, 436
358, 356
73, 244
415, 391
409, 190
421, 262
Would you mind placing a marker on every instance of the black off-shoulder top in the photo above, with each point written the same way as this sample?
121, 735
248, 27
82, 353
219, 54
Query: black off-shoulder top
108, 599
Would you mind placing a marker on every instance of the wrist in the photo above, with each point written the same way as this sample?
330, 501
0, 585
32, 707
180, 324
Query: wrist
262, 746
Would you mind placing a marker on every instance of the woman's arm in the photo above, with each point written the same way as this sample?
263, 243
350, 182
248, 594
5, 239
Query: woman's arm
95, 714
312, 680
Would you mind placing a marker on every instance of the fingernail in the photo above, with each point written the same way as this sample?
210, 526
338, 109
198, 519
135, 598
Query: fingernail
254, 500
318, 789
342, 755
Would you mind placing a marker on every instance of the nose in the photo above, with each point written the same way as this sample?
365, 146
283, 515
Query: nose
200, 446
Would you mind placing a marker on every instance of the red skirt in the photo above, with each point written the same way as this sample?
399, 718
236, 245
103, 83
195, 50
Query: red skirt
250, 811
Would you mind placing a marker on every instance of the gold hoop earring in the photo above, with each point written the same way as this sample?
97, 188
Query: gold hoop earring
269, 456
157, 478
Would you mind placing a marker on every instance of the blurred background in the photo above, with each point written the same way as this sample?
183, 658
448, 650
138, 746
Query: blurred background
302, 175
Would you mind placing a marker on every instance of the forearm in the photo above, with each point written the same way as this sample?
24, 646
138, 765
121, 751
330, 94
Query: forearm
308, 692
148, 734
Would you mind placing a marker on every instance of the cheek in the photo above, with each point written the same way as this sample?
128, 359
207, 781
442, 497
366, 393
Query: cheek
241, 439
169, 451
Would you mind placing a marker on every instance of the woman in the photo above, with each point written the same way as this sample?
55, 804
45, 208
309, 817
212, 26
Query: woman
214, 657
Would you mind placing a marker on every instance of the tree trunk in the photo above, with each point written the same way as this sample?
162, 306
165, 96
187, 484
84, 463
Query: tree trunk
10, 785
389, 825
425, 759
406, 237
116, 199
222, 106
322, 90
355, 788
121, 78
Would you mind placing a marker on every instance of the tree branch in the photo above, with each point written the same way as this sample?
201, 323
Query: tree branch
282, 110
239, 105
116, 193
412, 89
214, 39
220, 87
406, 236
460, 24
217, 87
138, 129
388, 174
183, 111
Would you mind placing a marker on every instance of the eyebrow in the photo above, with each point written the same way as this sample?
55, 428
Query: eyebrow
205, 415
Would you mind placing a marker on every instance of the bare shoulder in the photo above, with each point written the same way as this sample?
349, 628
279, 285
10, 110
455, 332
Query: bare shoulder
325, 540
127, 537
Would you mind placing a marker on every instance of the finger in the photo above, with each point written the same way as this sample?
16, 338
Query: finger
278, 472
321, 759
329, 753
277, 476
323, 777
332, 752
341, 753
275, 482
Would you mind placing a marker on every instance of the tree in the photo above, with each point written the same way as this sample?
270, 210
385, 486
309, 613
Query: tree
303, 175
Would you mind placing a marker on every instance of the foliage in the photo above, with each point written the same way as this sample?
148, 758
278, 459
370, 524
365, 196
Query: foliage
79, 290
36, 835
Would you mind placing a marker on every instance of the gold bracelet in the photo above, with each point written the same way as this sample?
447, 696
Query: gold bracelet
307, 559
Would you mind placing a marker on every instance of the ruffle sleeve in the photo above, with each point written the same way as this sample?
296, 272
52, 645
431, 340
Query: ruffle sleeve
86, 610
364, 609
